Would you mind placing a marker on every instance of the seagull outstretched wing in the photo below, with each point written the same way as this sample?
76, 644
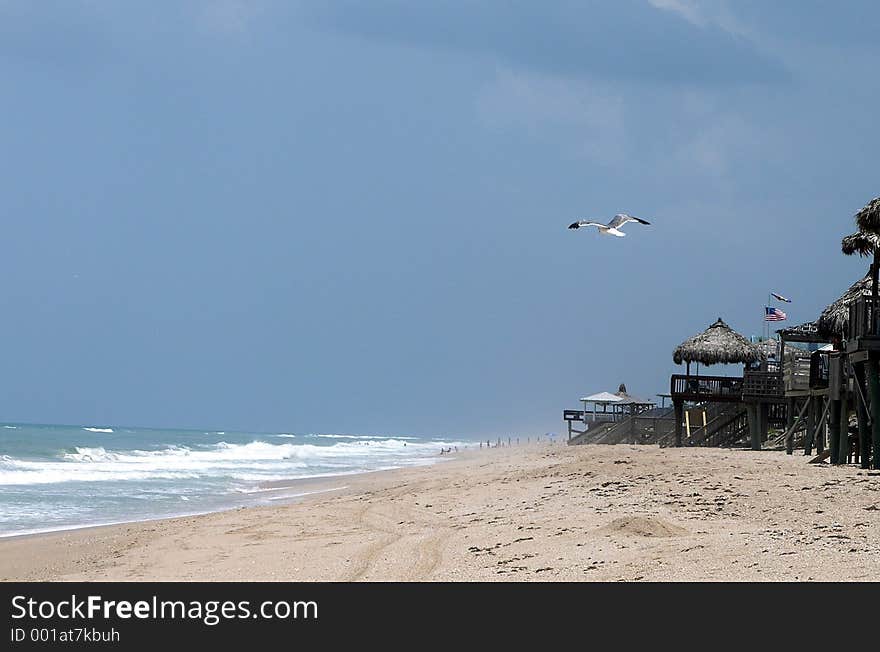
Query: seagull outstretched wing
622, 218
580, 223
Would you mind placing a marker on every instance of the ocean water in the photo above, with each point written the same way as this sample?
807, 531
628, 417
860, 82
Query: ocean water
58, 477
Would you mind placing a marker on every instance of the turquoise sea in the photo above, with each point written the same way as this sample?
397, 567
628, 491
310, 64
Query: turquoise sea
56, 477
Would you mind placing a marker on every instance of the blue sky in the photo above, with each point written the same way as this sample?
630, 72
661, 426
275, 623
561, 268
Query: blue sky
351, 216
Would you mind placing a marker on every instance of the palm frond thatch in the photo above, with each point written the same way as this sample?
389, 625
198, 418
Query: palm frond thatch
835, 318
717, 344
863, 243
806, 332
868, 219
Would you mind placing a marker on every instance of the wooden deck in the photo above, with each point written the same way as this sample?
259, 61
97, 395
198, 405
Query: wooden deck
863, 329
705, 388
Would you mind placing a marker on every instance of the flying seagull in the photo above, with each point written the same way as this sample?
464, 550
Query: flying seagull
613, 227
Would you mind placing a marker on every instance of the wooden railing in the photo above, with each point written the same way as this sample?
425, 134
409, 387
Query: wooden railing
796, 376
863, 318
706, 388
777, 414
639, 430
726, 424
731, 432
717, 421
763, 384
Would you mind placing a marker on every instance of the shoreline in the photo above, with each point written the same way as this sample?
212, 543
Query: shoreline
534, 513
320, 482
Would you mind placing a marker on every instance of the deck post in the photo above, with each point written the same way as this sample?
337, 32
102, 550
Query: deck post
811, 426
679, 408
843, 449
821, 427
862, 414
834, 430
754, 425
874, 382
763, 423
790, 420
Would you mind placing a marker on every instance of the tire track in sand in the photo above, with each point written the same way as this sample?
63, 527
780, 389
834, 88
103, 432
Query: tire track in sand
401, 537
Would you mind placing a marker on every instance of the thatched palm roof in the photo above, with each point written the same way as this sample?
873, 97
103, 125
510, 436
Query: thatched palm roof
868, 219
717, 344
862, 243
806, 332
807, 328
835, 318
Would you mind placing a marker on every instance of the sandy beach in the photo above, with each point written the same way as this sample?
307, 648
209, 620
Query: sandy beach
540, 512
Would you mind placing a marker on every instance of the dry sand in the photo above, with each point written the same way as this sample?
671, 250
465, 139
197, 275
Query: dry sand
529, 513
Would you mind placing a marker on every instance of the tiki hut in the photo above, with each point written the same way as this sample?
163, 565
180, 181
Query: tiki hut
834, 319
718, 344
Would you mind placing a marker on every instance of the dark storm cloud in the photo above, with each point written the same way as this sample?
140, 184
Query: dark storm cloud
629, 39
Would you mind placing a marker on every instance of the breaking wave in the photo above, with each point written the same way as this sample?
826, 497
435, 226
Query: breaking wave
253, 461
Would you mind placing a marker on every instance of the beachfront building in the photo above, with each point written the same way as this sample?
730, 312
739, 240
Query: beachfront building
862, 335
725, 408
613, 418
804, 371
826, 386
840, 382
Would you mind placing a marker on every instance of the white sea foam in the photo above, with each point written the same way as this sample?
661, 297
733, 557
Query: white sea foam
252, 462
360, 437
98, 429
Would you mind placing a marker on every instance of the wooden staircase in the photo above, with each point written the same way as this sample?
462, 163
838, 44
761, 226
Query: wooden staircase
589, 436
726, 425
645, 428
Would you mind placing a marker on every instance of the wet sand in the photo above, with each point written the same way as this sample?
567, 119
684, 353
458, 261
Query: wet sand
539, 512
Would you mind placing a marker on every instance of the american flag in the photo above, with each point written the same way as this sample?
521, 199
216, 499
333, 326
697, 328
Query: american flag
774, 314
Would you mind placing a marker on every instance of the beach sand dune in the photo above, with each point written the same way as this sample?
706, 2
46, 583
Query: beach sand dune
540, 512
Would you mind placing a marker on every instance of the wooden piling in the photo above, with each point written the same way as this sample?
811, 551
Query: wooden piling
754, 425
843, 426
811, 426
834, 431
679, 408
862, 415
874, 398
